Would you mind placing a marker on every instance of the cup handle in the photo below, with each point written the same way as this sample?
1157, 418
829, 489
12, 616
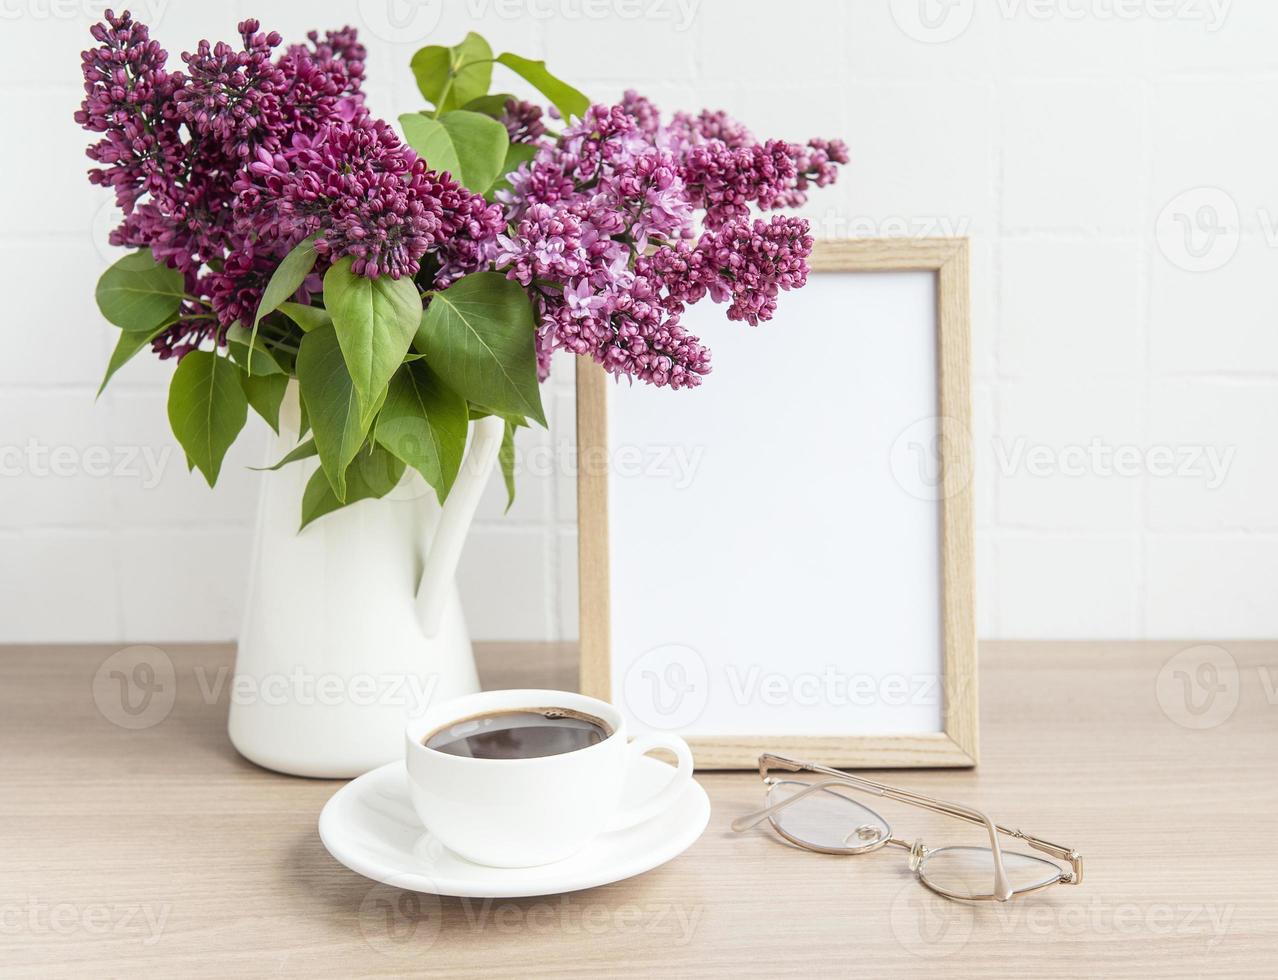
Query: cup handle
663, 798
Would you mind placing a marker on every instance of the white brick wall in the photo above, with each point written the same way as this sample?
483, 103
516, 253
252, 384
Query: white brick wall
1095, 152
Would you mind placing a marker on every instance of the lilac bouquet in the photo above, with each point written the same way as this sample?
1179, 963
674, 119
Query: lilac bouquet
411, 284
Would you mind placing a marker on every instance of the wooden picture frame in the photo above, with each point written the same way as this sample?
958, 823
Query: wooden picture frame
957, 744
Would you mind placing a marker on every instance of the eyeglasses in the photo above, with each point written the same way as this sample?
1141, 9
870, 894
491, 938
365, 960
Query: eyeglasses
823, 816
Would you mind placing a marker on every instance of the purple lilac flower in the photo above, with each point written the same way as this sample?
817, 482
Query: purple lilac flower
234, 96
353, 184
173, 144
469, 227
223, 169
522, 121
126, 92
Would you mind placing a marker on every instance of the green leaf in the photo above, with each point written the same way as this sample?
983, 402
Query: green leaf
304, 451
506, 457
469, 145
207, 409
331, 404
478, 336
516, 154
306, 317
451, 77
374, 473
375, 320
424, 423
567, 99
130, 342
137, 294
265, 392
250, 353
490, 105
432, 66
285, 281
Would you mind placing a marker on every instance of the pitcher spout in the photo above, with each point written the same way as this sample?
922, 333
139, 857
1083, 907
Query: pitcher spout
445, 550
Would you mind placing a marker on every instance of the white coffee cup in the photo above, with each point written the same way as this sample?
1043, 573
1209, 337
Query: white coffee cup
521, 813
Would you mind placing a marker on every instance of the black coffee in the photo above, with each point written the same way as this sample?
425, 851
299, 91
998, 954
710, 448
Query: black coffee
525, 734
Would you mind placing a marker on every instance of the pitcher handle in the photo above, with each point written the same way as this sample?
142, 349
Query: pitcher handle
454, 521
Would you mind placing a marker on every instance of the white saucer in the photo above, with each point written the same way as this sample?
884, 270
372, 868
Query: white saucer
370, 826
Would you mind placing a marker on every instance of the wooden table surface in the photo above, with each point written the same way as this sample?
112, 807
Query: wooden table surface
159, 852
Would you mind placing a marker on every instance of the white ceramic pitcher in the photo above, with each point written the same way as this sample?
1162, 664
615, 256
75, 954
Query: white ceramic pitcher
353, 625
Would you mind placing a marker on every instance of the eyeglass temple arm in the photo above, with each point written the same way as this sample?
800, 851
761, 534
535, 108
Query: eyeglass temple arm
1002, 889
758, 816
769, 761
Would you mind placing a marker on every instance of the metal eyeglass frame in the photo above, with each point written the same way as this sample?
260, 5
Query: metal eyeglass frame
1002, 890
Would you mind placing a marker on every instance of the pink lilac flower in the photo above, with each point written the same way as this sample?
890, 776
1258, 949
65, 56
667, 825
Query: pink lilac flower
745, 265
647, 116
726, 180
708, 125
604, 233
